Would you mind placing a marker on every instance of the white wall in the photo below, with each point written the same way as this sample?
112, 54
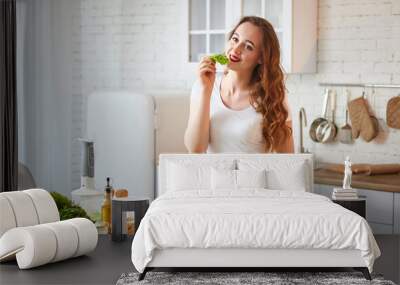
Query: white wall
357, 42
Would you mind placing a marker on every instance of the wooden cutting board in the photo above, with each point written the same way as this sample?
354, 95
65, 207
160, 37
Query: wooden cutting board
384, 182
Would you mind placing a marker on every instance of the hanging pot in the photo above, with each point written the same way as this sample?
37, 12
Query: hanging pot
326, 131
320, 120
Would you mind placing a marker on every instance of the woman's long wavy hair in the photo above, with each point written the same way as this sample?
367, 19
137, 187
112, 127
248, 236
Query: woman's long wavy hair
268, 89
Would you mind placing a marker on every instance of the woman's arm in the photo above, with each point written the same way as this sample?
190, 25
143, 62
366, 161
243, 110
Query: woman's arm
197, 133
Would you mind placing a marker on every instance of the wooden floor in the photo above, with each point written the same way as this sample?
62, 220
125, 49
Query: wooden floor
111, 259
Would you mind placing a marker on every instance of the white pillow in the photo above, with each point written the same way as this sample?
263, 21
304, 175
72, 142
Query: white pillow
228, 179
251, 178
282, 174
223, 179
284, 179
187, 177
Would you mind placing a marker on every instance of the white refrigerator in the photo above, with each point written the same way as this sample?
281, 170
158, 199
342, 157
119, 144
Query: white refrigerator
121, 125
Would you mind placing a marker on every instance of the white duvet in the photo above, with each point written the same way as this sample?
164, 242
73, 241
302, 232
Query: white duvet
253, 218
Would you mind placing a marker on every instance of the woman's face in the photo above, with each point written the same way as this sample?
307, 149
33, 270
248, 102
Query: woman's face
244, 48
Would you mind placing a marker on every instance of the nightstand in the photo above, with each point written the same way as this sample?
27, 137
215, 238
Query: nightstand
119, 205
358, 206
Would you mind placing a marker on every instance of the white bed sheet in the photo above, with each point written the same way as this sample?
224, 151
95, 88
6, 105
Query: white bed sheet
251, 218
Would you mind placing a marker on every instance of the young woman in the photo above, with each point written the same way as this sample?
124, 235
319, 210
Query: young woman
245, 109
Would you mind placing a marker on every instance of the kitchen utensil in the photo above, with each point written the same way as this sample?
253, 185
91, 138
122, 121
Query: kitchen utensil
319, 120
362, 123
302, 119
370, 132
393, 112
357, 110
327, 130
345, 135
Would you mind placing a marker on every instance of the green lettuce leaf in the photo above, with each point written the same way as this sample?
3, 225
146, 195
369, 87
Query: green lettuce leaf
220, 58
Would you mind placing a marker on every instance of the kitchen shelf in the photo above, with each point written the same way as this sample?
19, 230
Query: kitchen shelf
367, 85
384, 182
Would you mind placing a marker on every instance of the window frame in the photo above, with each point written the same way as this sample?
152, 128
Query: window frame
233, 12
207, 31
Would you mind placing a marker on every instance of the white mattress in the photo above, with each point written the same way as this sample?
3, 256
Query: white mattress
252, 218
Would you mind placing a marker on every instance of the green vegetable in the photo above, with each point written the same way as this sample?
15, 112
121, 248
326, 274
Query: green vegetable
67, 208
74, 212
220, 58
61, 200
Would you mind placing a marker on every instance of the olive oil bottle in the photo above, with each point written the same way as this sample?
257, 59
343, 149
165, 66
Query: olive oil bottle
106, 207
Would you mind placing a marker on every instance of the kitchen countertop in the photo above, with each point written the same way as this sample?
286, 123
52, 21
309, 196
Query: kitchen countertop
384, 182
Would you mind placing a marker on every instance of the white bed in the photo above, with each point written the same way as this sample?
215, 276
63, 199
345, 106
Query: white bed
199, 220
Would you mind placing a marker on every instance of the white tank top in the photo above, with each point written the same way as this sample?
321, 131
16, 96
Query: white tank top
233, 131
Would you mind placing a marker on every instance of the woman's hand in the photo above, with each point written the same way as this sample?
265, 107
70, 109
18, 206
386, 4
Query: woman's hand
206, 72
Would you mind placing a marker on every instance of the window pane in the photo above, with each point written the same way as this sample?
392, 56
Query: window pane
252, 8
273, 12
197, 14
217, 13
197, 47
217, 43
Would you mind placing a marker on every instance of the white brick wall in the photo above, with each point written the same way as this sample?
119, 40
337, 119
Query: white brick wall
358, 43
138, 44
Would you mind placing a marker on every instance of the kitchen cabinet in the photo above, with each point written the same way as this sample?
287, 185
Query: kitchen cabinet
382, 208
396, 216
295, 23
379, 206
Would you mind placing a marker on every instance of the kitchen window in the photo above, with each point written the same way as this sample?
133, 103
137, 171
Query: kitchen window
207, 28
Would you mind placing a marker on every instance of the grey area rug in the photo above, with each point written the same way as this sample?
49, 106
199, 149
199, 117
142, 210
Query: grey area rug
226, 278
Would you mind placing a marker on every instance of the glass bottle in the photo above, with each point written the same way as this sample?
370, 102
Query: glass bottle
106, 207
